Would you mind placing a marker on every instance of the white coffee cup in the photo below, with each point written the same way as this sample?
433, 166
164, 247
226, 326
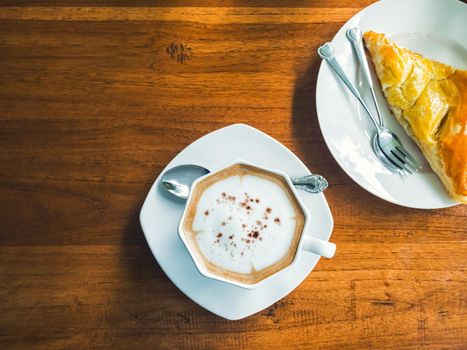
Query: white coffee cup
306, 242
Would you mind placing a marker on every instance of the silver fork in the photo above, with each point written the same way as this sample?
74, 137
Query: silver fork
385, 142
354, 35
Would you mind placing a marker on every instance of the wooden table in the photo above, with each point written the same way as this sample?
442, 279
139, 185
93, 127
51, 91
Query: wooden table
95, 101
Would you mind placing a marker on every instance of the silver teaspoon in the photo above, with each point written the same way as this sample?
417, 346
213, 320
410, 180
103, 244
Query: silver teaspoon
178, 180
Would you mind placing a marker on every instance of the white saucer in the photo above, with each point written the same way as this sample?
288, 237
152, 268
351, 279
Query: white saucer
161, 213
434, 28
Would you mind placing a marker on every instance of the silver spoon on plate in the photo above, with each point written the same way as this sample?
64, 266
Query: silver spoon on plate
178, 180
386, 145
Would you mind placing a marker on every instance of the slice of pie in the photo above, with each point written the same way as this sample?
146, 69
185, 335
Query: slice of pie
429, 99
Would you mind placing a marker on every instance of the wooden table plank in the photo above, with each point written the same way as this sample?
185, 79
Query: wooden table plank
111, 288
189, 3
94, 104
208, 15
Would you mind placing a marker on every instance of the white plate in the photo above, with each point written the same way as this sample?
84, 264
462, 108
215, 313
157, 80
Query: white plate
161, 213
434, 28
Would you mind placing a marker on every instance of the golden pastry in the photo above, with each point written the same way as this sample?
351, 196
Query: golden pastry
429, 99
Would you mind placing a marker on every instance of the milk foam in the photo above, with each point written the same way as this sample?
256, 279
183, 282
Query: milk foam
244, 223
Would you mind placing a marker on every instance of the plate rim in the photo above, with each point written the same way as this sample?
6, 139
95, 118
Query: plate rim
319, 110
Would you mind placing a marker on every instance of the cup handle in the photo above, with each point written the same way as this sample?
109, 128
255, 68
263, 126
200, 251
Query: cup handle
318, 246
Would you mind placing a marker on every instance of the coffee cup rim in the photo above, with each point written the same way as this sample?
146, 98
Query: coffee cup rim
199, 265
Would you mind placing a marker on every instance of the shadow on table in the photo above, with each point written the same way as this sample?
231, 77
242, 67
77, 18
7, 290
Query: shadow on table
147, 295
305, 127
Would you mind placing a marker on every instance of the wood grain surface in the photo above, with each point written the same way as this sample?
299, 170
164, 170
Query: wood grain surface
97, 97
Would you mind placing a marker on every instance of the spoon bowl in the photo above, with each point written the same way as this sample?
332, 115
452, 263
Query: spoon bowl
380, 155
178, 180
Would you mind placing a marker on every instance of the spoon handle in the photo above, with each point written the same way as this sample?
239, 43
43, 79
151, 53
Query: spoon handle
326, 52
355, 37
310, 183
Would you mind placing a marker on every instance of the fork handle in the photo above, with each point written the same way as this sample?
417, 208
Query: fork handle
355, 37
326, 52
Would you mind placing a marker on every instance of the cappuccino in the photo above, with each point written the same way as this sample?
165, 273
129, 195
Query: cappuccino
243, 223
